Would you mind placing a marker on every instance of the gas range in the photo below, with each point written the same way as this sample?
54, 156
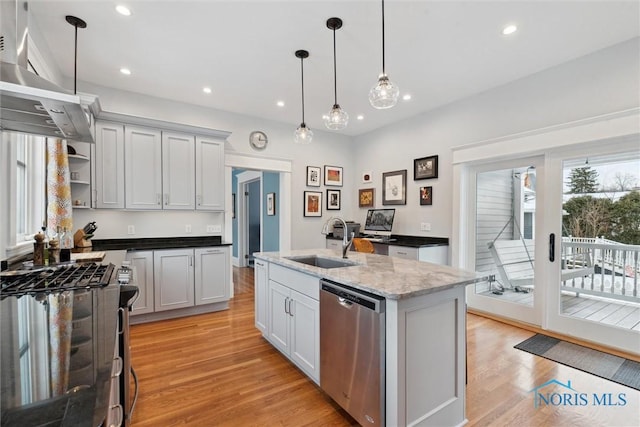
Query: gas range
58, 278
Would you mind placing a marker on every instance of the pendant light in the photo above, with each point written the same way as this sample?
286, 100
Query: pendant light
302, 135
337, 118
384, 94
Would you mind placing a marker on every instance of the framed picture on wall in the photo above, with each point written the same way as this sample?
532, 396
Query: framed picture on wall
313, 176
394, 188
426, 196
425, 168
333, 176
365, 197
312, 203
333, 200
271, 204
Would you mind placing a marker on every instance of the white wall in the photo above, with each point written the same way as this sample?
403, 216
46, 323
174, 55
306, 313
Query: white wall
326, 149
599, 83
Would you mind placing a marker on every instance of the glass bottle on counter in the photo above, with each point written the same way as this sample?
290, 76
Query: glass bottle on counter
66, 244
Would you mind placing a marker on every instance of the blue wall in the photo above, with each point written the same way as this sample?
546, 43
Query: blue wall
271, 223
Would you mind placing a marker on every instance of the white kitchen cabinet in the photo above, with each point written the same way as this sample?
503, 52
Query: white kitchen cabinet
211, 275
435, 254
173, 279
143, 168
261, 298
80, 175
209, 174
142, 265
178, 171
293, 321
109, 166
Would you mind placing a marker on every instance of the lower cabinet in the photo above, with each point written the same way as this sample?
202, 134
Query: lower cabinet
142, 265
170, 279
173, 279
261, 298
292, 316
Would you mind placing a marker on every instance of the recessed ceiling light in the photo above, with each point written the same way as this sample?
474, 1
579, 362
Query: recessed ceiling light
509, 29
360, 117
406, 96
280, 103
125, 71
206, 89
123, 10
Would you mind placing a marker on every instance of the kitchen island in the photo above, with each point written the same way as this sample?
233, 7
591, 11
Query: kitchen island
424, 346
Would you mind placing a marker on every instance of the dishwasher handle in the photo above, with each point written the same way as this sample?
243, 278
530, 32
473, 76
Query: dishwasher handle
347, 296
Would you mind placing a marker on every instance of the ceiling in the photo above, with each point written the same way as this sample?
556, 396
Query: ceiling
436, 51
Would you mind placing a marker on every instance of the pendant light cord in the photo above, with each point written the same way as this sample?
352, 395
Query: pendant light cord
75, 63
383, 69
302, 79
335, 74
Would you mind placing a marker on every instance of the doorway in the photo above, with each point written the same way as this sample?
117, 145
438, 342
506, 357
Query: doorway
253, 231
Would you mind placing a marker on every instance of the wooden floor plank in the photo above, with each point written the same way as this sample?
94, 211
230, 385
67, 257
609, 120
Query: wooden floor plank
216, 370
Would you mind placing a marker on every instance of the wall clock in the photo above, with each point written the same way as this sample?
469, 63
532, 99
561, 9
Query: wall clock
258, 140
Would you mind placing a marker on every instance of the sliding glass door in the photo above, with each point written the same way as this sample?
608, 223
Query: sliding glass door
594, 214
505, 200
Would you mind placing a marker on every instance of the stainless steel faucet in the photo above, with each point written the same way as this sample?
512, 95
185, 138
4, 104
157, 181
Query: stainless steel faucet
346, 241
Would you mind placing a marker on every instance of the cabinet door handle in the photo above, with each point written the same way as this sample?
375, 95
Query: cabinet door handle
214, 251
261, 265
158, 198
290, 312
166, 198
401, 253
285, 305
190, 260
199, 199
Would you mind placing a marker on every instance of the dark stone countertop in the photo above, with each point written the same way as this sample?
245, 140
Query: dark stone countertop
81, 325
151, 243
408, 241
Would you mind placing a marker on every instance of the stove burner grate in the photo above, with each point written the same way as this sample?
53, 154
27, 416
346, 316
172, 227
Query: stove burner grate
57, 279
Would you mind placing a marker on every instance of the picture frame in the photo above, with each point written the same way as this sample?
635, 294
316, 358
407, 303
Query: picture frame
233, 205
425, 168
333, 176
366, 197
271, 204
333, 200
313, 176
367, 177
426, 196
313, 203
394, 187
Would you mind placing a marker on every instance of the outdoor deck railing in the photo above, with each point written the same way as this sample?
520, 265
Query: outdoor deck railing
616, 268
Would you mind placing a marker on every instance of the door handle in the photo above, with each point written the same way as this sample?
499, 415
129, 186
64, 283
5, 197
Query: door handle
344, 302
552, 247
290, 312
285, 305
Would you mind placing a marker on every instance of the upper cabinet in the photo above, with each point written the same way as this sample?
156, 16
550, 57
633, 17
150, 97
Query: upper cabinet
209, 174
178, 170
145, 168
109, 169
142, 168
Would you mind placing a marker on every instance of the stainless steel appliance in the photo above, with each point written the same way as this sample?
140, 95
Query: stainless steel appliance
128, 295
352, 351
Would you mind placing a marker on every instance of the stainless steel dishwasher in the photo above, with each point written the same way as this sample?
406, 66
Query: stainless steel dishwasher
352, 351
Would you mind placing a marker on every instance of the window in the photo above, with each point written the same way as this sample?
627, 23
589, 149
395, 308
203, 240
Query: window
29, 185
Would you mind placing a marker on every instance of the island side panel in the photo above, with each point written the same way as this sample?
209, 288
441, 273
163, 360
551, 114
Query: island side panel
426, 352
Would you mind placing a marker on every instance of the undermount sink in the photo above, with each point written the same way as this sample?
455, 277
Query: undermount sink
321, 262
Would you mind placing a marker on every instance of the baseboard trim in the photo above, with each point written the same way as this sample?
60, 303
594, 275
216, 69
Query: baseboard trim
568, 338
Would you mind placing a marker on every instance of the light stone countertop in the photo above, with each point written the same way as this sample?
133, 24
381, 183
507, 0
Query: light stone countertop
390, 277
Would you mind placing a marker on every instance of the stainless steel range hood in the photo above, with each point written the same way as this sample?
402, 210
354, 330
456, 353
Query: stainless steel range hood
29, 103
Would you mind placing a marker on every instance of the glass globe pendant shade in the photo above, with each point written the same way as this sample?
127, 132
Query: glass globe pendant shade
336, 119
303, 135
384, 94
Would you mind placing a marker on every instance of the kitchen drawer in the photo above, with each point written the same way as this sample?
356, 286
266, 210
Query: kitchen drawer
303, 283
403, 252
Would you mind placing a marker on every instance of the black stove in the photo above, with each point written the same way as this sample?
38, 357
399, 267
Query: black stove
55, 279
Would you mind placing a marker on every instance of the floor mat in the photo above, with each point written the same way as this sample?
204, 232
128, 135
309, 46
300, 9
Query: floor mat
614, 368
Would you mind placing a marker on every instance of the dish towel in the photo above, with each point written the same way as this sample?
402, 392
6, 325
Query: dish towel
59, 208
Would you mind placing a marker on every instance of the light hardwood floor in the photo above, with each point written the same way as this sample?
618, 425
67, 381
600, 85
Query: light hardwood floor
216, 370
